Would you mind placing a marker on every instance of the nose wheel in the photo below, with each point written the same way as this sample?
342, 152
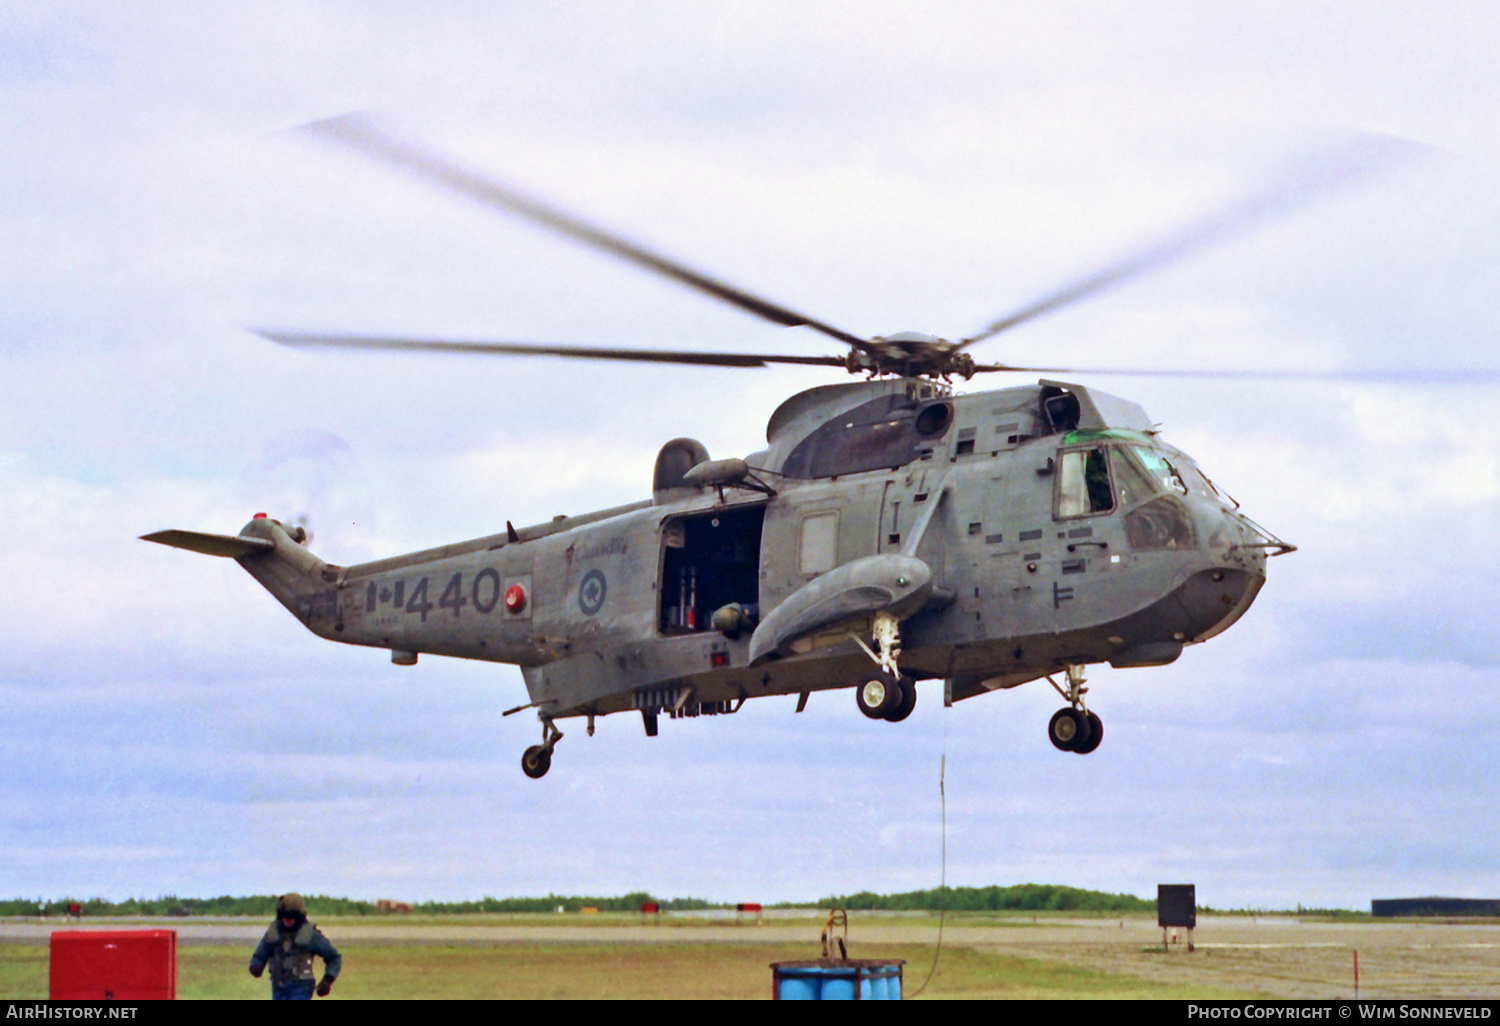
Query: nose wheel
537, 760
1074, 729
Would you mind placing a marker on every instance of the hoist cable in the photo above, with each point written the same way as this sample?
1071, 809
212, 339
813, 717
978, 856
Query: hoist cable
943, 872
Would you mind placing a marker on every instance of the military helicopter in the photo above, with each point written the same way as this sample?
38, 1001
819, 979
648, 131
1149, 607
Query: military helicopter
892, 530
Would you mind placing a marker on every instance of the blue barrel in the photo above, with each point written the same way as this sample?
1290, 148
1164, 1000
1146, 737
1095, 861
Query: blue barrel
799, 986
838, 980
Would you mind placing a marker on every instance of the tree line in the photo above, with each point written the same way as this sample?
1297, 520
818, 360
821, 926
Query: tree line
326, 905
1016, 898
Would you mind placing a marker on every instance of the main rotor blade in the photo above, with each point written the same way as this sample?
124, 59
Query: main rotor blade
431, 345
359, 134
1314, 178
1406, 375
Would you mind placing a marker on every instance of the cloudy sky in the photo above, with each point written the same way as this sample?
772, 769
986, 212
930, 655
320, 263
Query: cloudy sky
168, 728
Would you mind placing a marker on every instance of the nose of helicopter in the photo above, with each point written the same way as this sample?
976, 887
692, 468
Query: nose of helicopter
1207, 603
1212, 600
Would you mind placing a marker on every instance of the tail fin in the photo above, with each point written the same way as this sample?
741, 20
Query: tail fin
279, 561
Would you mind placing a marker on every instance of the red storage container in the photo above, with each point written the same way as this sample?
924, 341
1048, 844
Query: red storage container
114, 965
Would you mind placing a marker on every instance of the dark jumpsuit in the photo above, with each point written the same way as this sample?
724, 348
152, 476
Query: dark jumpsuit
290, 956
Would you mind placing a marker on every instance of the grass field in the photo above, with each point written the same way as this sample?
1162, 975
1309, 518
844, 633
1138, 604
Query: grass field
580, 971
983, 956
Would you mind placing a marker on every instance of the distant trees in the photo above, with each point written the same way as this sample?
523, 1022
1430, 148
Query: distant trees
631, 902
224, 905
264, 905
1016, 898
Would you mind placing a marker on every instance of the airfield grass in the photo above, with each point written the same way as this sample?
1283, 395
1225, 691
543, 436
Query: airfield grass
617, 971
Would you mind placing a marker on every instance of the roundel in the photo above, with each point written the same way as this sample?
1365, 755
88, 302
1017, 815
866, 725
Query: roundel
591, 592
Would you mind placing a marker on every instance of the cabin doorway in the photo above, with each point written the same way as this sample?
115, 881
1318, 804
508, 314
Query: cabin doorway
709, 560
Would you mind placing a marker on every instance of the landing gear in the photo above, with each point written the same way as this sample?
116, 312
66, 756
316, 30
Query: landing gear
1069, 730
908, 700
1074, 729
882, 697
1096, 734
885, 694
537, 760
877, 695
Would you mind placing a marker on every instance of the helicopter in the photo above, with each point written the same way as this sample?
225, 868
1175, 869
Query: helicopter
894, 530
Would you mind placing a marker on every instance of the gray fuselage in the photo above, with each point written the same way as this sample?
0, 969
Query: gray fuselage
1056, 529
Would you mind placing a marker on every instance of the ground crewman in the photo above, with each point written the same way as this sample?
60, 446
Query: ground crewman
288, 947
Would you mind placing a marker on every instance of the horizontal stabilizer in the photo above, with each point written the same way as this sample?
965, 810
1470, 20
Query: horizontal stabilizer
211, 544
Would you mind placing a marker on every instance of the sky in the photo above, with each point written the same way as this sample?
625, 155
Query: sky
168, 728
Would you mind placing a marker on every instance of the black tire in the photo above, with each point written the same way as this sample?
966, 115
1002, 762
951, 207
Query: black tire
1068, 730
876, 695
907, 703
536, 761
1096, 734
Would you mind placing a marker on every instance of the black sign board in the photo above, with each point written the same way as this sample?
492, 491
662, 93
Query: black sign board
1176, 905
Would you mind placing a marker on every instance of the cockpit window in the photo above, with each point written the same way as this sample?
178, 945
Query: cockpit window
1163, 522
1195, 481
1161, 469
1083, 487
1133, 483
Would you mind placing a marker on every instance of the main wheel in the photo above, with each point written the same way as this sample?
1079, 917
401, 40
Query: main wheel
877, 695
536, 761
1068, 730
908, 700
1096, 734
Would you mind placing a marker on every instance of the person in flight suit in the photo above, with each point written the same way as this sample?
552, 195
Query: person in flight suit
288, 947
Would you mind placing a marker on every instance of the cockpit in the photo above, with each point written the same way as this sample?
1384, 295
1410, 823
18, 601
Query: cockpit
1102, 472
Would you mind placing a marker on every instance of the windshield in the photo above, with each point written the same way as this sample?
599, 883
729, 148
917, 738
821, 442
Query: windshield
1138, 474
1103, 478
1194, 480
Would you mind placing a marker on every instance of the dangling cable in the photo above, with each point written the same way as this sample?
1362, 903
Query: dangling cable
943, 885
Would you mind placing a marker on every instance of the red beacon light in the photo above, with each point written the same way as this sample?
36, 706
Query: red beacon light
515, 599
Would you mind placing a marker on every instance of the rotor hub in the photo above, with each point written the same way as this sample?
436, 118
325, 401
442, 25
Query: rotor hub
911, 354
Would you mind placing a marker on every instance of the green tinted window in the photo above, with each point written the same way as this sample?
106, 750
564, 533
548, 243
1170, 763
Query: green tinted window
1157, 465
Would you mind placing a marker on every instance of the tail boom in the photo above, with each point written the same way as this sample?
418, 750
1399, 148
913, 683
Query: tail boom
299, 580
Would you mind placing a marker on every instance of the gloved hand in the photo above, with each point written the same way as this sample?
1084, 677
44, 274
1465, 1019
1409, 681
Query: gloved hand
324, 986
256, 970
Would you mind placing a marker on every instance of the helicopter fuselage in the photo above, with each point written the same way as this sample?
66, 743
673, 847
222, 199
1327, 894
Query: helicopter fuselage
1023, 531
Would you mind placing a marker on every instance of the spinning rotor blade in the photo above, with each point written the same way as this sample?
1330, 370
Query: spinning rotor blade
1411, 375
1313, 179
301, 341
359, 134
